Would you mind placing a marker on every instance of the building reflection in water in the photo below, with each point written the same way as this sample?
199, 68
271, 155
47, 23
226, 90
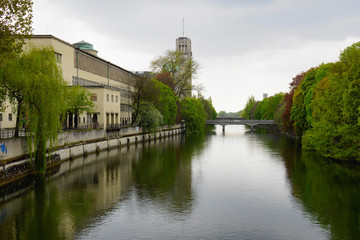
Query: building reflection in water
83, 190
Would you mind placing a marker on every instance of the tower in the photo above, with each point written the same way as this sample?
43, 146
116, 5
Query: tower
183, 44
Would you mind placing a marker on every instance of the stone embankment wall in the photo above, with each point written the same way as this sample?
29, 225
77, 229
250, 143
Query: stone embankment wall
78, 143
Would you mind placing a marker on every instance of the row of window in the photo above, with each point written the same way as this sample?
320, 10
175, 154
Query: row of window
183, 48
10, 117
112, 98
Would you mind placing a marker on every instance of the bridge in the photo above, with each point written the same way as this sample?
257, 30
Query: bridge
223, 121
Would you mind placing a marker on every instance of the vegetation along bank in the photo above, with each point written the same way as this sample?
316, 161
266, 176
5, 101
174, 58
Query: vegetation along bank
322, 107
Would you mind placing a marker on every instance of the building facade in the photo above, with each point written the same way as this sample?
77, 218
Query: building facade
183, 45
109, 84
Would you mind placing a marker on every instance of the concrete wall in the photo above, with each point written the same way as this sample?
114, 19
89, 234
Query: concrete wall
71, 137
77, 143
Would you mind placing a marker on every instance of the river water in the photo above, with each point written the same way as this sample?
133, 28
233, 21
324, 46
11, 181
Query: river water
237, 185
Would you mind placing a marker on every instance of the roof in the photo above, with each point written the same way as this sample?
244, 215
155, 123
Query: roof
84, 45
79, 49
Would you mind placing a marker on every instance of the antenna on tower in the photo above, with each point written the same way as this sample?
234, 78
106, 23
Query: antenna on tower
183, 28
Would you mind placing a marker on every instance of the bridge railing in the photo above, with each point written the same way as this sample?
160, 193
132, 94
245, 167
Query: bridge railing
239, 122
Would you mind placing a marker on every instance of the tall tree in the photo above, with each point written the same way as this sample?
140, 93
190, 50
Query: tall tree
208, 107
142, 91
335, 128
43, 95
78, 101
180, 69
287, 123
164, 100
158, 94
247, 112
15, 26
194, 115
150, 117
12, 76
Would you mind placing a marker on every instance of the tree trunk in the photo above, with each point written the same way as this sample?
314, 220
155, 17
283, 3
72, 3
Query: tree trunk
76, 120
18, 116
40, 151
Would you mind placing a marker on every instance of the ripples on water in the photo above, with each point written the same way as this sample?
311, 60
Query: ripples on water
237, 185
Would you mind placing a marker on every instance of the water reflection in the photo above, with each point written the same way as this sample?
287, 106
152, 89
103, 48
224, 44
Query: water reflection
328, 191
84, 190
234, 186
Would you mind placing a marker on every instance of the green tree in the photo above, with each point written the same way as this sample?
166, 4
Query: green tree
15, 27
141, 92
43, 96
150, 117
301, 112
247, 112
180, 69
208, 107
272, 106
12, 76
193, 113
335, 128
221, 114
78, 101
164, 100
259, 109
159, 95
265, 110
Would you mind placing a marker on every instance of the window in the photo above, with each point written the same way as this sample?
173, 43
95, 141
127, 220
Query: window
83, 119
58, 57
0, 117
107, 97
116, 98
93, 97
112, 98
10, 117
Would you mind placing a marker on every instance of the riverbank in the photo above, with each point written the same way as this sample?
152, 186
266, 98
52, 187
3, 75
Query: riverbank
16, 164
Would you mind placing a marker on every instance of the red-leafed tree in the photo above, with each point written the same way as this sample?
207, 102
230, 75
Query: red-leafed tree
288, 124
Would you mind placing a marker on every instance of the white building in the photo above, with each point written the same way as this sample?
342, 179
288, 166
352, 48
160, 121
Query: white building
108, 83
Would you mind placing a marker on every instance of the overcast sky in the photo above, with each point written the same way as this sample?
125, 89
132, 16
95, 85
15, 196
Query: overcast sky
245, 47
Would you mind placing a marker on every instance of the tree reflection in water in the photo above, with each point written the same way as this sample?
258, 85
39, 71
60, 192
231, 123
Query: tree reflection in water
329, 191
83, 190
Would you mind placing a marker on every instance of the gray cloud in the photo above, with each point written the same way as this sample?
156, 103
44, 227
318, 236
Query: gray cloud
241, 36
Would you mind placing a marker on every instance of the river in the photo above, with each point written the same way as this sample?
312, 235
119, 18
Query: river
236, 185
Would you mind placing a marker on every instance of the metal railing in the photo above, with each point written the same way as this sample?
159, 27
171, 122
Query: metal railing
10, 132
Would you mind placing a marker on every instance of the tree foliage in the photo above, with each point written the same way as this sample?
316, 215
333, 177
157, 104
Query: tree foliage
78, 101
194, 115
164, 100
12, 76
176, 70
335, 128
150, 117
247, 112
263, 110
139, 96
287, 124
208, 107
43, 90
15, 26
159, 95
43, 93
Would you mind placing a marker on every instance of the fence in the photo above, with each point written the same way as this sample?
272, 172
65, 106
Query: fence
10, 132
